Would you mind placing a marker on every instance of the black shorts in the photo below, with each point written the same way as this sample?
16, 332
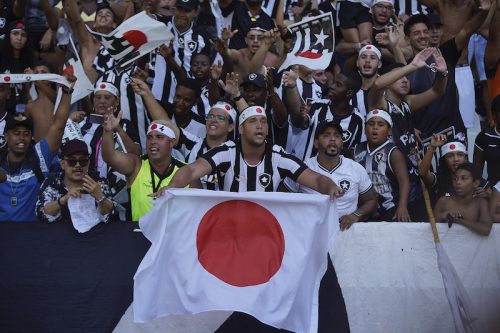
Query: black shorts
351, 14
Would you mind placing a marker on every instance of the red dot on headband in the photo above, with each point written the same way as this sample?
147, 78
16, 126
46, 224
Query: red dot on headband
153, 127
259, 110
452, 147
228, 107
102, 86
375, 112
6, 79
368, 47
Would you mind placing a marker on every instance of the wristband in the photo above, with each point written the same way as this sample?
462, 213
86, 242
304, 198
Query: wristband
357, 214
444, 74
237, 98
66, 90
100, 201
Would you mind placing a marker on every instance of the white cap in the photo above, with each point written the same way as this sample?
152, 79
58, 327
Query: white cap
386, 1
250, 112
106, 86
226, 107
380, 113
454, 146
161, 128
371, 48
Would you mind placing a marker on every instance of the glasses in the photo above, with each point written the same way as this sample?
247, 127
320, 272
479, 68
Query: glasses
215, 117
256, 37
72, 162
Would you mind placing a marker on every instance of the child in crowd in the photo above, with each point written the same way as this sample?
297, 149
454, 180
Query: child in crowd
464, 207
386, 167
453, 154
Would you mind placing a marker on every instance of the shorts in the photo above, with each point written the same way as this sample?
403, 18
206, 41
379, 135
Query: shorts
351, 14
477, 46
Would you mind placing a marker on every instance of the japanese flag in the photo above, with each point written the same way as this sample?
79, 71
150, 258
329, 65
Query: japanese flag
313, 42
259, 253
134, 38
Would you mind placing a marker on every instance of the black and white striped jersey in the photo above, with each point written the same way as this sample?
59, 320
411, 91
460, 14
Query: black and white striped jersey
238, 176
409, 7
103, 61
183, 45
377, 163
353, 126
360, 102
203, 105
130, 103
3, 142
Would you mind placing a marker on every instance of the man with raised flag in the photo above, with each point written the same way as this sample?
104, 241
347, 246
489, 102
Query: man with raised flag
145, 174
252, 164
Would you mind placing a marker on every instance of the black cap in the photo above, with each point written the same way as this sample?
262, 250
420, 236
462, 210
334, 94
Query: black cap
18, 119
17, 25
323, 126
434, 19
73, 147
257, 79
187, 4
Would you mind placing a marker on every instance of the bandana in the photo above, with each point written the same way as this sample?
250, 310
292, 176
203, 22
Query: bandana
226, 107
250, 112
163, 129
106, 86
380, 113
370, 48
453, 147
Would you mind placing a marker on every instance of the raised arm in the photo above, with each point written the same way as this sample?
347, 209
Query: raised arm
232, 88
292, 99
125, 163
462, 37
56, 130
51, 13
319, 183
213, 84
166, 53
398, 164
76, 22
280, 114
424, 167
255, 65
438, 88
189, 174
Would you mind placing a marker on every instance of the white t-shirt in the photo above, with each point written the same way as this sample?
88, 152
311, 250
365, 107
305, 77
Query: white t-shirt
348, 175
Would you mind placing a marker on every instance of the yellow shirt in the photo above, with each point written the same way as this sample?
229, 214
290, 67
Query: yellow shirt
146, 182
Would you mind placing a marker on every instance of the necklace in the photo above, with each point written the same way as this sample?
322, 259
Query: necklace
13, 189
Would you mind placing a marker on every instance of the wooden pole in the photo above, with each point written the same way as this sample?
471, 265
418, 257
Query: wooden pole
430, 213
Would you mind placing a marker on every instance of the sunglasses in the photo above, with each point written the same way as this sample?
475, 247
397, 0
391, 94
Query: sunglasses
215, 117
72, 162
256, 37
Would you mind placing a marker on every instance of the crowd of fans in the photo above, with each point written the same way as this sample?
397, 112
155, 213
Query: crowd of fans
398, 111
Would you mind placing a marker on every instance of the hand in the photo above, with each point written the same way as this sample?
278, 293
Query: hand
77, 116
165, 51
231, 86
402, 214
73, 192
394, 34
270, 37
438, 140
227, 34
46, 40
140, 87
382, 38
218, 45
111, 123
160, 192
289, 78
141, 74
440, 62
418, 135
480, 192
304, 112
92, 187
346, 221
334, 191
216, 70
485, 4
29, 70
69, 74
420, 59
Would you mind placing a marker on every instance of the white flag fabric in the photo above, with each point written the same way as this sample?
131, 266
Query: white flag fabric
461, 307
83, 87
134, 38
313, 43
259, 253
22, 78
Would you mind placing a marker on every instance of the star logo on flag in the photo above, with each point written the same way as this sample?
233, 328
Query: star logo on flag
264, 180
346, 135
345, 185
320, 38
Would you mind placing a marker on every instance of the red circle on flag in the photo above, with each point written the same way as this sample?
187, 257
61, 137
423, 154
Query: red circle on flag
6, 78
452, 147
136, 38
240, 243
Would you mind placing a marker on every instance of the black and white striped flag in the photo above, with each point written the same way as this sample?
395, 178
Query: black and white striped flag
135, 37
313, 42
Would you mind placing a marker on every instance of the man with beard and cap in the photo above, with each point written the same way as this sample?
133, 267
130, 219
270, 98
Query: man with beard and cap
26, 165
360, 199
252, 164
220, 122
245, 15
73, 183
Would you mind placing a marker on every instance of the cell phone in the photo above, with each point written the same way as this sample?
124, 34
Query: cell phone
95, 118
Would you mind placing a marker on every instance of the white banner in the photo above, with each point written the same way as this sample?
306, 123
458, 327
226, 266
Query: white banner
22, 78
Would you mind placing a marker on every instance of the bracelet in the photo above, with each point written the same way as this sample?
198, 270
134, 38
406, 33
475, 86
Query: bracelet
237, 98
444, 74
66, 90
357, 214
100, 201
59, 202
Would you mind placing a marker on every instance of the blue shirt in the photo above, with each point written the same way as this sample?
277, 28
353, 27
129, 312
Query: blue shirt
22, 187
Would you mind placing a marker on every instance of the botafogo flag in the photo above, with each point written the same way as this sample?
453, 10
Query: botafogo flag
313, 42
134, 38
259, 253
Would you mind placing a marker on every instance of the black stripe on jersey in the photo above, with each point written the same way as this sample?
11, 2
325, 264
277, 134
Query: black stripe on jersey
251, 177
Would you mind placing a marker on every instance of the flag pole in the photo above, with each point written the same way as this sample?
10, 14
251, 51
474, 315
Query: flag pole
430, 213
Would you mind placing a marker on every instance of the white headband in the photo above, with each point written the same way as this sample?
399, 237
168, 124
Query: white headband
226, 107
106, 86
370, 48
386, 1
163, 129
453, 147
250, 112
380, 113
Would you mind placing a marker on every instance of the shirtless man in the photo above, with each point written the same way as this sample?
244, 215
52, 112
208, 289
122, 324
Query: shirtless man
464, 208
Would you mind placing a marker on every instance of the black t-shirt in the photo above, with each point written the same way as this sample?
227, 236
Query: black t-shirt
242, 21
6, 17
488, 142
443, 112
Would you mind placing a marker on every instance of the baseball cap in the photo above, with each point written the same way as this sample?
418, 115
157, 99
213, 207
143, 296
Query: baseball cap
455, 146
18, 119
17, 25
187, 4
434, 19
376, 2
257, 79
250, 112
73, 147
380, 113
323, 126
